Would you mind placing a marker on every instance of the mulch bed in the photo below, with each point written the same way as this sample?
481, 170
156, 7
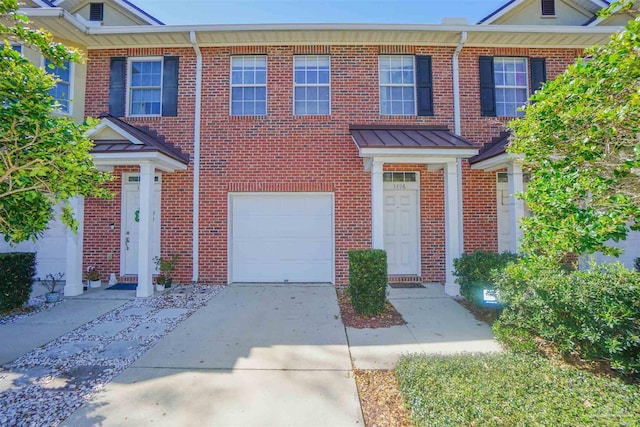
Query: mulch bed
486, 315
351, 319
382, 405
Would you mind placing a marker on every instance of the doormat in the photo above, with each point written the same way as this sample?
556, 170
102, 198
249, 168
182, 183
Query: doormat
123, 287
409, 285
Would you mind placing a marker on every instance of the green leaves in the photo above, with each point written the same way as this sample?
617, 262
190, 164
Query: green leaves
44, 157
580, 141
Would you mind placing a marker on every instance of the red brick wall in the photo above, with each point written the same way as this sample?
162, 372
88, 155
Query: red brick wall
282, 152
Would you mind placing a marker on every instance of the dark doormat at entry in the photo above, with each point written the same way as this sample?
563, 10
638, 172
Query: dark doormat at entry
123, 287
408, 285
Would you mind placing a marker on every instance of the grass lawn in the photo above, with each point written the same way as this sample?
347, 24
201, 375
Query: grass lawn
512, 390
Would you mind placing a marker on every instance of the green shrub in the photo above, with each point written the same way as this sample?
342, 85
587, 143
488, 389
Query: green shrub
16, 277
511, 390
636, 264
368, 280
594, 313
474, 272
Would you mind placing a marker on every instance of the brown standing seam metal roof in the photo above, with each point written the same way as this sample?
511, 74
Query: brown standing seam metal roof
496, 147
407, 137
151, 142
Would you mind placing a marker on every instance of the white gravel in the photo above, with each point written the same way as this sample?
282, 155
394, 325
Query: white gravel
44, 387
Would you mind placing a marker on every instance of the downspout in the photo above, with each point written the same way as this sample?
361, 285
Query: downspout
196, 159
458, 130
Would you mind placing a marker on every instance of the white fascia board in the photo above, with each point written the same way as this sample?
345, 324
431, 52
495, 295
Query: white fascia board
159, 160
54, 12
106, 123
418, 155
502, 12
496, 163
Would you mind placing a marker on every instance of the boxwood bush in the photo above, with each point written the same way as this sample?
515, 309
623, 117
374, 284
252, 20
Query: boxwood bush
368, 280
16, 277
593, 313
474, 272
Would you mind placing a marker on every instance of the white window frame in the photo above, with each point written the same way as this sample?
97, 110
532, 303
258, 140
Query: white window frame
514, 87
71, 68
128, 96
253, 85
305, 85
380, 86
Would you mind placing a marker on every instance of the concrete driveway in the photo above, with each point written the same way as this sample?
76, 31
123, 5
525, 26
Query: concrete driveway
255, 355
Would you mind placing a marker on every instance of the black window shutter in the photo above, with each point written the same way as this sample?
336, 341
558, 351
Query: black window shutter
538, 72
117, 86
170, 86
424, 85
487, 87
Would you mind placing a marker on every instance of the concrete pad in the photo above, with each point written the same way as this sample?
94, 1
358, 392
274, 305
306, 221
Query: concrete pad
136, 311
69, 349
34, 331
171, 397
169, 313
430, 290
380, 348
148, 329
120, 350
265, 327
109, 328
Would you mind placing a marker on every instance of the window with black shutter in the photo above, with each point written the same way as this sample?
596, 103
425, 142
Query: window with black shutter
548, 8
406, 85
96, 11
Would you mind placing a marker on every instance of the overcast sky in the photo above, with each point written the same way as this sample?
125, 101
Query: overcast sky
316, 11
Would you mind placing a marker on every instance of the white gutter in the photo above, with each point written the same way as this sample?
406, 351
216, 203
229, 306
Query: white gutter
196, 159
458, 131
456, 84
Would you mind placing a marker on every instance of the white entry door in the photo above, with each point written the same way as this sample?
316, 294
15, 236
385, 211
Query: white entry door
401, 223
131, 220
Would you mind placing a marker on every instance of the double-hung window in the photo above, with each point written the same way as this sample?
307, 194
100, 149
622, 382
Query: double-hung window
61, 92
397, 85
312, 85
248, 85
505, 83
17, 48
512, 85
406, 85
145, 87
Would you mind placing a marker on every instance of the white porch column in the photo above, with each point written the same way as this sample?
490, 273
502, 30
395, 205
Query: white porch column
516, 205
73, 276
145, 245
452, 221
377, 205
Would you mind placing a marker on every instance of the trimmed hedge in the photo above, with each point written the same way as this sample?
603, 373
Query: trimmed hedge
594, 313
368, 280
16, 277
474, 272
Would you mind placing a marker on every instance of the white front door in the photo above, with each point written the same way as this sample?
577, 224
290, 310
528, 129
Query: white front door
401, 223
131, 219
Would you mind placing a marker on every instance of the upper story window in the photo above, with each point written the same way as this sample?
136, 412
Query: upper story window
61, 92
249, 85
145, 87
548, 8
96, 11
17, 48
511, 84
505, 82
406, 85
312, 86
397, 85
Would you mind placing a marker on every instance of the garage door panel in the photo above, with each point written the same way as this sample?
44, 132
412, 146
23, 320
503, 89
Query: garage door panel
280, 237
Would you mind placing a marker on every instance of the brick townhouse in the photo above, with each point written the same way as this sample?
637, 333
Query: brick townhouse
263, 153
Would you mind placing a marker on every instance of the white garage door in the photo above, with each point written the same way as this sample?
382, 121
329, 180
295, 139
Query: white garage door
281, 237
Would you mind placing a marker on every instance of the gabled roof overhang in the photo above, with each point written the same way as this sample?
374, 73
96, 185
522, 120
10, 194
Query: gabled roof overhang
131, 146
63, 24
494, 156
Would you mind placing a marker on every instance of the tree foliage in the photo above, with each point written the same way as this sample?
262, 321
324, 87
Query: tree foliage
579, 137
44, 155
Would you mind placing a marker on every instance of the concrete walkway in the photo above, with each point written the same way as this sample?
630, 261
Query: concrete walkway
255, 355
436, 324
30, 332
